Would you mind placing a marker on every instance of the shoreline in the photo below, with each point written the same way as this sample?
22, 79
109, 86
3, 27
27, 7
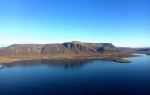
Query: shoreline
12, 59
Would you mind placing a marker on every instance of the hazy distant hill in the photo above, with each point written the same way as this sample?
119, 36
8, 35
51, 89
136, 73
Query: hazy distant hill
136, 50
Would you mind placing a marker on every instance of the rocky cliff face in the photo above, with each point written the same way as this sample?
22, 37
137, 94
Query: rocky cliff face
74, 48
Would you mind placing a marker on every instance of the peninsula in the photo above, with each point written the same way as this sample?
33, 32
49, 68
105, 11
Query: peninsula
67, 50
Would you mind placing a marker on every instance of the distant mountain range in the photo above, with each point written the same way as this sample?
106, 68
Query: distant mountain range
136, 50
67, 50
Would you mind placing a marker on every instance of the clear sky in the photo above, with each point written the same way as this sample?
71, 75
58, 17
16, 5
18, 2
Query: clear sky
121, 22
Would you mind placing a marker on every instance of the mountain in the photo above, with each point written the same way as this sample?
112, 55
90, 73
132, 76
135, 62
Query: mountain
69, 50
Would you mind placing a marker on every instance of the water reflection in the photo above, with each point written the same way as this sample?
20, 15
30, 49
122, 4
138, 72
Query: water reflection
66, 64
84, 77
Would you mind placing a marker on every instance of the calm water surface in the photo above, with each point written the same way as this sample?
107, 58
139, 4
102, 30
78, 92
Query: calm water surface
77, 77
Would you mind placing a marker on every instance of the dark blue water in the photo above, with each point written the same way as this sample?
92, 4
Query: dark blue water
77, 77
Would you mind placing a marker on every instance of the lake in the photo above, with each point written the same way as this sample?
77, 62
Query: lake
76, 77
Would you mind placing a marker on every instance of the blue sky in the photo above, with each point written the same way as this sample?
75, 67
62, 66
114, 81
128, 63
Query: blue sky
121, 22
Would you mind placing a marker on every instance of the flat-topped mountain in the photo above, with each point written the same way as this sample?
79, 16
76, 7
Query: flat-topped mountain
71, 50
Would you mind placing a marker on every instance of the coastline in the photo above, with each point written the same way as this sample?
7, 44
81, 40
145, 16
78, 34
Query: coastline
11, 59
